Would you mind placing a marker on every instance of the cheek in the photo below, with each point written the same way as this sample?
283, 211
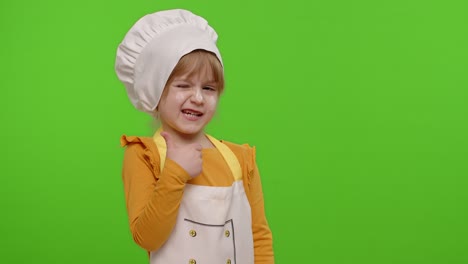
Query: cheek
180, 97
172, 101
211, 102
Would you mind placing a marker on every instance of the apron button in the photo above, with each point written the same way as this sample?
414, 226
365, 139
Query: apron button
228, 261
227, 233
192, 261
192, 233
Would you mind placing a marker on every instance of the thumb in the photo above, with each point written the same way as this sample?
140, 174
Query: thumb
168, 139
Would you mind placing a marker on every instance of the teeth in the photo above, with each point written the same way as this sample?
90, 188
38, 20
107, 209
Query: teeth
191, 113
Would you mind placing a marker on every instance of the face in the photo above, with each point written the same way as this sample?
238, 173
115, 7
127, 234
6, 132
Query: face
188, 105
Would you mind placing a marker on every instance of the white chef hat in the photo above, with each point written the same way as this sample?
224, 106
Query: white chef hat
153, 47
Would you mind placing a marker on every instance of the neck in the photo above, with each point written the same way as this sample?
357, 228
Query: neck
182, 139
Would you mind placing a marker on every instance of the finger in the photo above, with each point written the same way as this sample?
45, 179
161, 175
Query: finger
168, 139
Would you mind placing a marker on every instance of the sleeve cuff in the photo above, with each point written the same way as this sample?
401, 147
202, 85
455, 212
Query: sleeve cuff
174, 170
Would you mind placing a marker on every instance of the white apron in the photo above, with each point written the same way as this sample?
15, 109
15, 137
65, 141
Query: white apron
213, 225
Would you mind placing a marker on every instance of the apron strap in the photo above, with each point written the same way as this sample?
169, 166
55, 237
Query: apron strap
162, 148
225, 151
229, 157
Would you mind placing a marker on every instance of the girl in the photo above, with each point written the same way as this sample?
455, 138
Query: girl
190, 198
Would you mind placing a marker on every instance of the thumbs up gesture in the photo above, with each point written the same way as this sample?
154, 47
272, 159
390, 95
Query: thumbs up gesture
188, 157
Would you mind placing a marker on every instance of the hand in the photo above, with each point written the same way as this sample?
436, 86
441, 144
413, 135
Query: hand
188, 157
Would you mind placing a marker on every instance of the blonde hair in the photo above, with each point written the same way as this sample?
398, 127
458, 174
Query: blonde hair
196, 62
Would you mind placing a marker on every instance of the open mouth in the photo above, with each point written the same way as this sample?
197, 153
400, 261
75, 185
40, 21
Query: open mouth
193, 113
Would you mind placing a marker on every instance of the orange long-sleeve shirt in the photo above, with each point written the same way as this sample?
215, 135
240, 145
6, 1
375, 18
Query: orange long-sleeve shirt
153, 197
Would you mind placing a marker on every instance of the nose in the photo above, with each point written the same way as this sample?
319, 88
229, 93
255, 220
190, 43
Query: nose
197, 96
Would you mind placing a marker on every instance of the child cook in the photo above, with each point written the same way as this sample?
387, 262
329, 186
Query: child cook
190, 198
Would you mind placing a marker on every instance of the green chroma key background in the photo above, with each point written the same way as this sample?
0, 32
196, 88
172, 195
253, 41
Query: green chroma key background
358, 110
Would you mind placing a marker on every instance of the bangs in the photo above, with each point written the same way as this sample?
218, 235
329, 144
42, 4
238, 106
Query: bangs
200, 62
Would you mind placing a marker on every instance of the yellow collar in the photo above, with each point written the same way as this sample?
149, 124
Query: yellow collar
225, 151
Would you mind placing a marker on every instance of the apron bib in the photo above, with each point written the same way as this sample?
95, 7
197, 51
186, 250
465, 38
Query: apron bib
213, 223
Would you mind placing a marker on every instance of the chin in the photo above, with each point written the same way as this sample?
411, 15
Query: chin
190, 131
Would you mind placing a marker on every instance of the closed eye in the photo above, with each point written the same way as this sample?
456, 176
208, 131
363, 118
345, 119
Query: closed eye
209, 88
